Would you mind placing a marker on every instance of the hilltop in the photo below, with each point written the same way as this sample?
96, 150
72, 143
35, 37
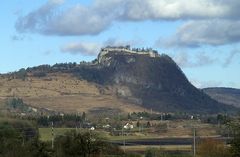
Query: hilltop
120, 79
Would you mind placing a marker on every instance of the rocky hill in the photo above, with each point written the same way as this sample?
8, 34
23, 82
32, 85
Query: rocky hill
120, 78
228, 96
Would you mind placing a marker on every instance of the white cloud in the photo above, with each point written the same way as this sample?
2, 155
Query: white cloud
184, 60
205, 32
230, 58
118, 42
174, 9
205, 22
37, 20
93, 48
17, 37
77, 20
85, 48
99, 15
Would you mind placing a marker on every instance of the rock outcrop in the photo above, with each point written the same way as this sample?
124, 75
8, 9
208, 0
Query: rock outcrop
151, 80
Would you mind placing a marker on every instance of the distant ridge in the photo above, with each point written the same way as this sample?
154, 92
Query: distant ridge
230, 96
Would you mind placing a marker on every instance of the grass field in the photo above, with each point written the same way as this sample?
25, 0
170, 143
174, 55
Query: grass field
176, 129
140, 148
46, 133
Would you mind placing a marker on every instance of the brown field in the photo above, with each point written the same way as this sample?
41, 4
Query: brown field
140, 148
62, 92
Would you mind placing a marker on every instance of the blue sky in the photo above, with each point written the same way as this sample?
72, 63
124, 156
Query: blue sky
202, 36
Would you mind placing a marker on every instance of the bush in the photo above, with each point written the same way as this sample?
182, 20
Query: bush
39, 74
212, 148
21, 74
17, 104
152, 152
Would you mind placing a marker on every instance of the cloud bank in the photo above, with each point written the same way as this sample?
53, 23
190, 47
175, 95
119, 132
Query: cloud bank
230, 58
184, 60
85, 48
206, 22
205, 32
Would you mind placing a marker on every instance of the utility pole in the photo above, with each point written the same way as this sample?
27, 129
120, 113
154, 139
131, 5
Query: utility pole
194, 142
52, 136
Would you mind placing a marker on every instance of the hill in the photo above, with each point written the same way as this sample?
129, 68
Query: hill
120, 79
230, 96
61, 92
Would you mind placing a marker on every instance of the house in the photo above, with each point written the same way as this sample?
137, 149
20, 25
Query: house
128, 126
107, 126
92, 128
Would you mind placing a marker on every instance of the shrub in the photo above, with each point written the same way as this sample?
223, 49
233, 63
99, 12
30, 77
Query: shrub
154, 152
212, 148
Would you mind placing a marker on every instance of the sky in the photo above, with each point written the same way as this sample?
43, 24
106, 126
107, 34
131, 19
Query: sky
202, 36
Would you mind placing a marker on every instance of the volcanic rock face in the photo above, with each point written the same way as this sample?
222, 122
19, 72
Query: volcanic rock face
148, 79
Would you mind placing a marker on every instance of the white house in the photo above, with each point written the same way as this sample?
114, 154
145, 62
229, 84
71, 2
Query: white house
128, 126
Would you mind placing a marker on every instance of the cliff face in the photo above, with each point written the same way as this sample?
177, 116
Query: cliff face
154, 82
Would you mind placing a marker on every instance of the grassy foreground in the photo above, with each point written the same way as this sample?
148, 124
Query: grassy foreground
46, 135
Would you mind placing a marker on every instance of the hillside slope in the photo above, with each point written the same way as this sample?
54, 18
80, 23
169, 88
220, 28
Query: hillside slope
62, 92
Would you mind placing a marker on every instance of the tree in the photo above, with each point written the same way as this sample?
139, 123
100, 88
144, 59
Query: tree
138, 123
129, 116
148, 124
84, 116
222, 119
84, 144
235, 146
21, 74
39, 74
234, 126
15, 141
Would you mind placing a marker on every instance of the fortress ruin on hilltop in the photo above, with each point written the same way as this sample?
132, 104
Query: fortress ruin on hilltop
127, 50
